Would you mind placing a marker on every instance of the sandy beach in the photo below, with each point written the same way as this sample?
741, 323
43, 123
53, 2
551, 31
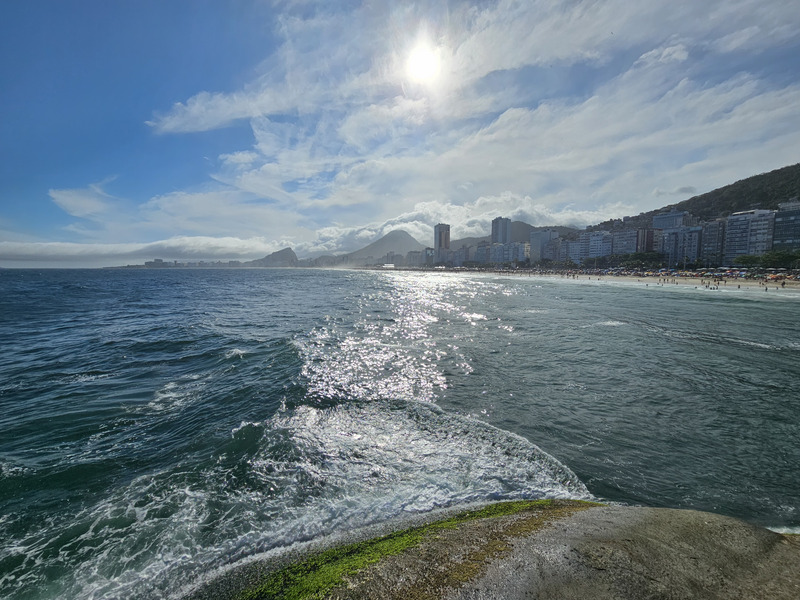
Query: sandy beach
710, 284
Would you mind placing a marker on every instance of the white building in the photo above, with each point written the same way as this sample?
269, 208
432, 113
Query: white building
594, 244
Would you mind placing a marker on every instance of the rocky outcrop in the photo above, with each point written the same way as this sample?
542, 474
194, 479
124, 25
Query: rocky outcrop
281, 258
553, 549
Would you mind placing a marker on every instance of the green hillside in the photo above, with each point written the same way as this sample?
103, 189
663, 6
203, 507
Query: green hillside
764, 191
760, 191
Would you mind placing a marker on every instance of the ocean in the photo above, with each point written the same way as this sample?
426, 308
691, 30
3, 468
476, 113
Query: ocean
157, 426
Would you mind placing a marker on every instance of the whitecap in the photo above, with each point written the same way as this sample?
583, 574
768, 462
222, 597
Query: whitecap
785, 530
609, 323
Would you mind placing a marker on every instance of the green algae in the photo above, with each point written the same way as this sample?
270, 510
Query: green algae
314, 577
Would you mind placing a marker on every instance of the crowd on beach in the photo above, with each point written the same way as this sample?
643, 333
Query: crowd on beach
778, 279
715, 274
719, 278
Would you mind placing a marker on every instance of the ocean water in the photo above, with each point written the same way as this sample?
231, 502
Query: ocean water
158, 425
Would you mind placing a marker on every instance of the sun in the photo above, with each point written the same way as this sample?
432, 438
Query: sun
423, 64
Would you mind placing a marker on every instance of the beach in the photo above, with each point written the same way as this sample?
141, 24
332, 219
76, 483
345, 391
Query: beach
705, 283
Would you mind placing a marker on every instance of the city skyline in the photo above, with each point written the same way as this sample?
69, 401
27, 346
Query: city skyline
214, 131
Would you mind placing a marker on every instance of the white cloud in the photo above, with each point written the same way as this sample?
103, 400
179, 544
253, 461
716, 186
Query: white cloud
239, 159
223, 212
88, 203
378, 123
206, 111
182, 248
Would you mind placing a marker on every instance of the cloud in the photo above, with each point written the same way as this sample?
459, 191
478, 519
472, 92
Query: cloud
215, 211
676, 53
239, 159
206, 111
374, 144
181, 248
686, 190
87, 203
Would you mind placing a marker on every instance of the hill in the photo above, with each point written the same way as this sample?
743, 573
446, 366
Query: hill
398, 241
765, 191
760, 191
281, 258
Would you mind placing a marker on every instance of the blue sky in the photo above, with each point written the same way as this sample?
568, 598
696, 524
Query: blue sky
204, 129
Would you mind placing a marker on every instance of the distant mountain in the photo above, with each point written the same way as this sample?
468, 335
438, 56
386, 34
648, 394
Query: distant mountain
398, 241
281, 258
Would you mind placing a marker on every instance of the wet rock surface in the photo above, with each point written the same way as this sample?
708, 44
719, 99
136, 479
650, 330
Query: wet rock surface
625, 552
571, 550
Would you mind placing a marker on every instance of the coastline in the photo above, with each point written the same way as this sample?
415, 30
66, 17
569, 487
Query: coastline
550, 548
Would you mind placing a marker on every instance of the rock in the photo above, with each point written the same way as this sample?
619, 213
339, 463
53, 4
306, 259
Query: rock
555, 550
281, 258
626, 552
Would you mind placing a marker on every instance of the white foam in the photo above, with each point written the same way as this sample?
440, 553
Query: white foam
609, 323
786, 530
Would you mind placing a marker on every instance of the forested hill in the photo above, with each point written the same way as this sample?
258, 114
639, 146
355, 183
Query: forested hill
760, 191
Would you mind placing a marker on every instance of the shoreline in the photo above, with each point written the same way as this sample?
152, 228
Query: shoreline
545, 548
700, 283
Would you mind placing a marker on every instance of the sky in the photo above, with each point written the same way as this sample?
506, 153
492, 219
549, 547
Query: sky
229, 129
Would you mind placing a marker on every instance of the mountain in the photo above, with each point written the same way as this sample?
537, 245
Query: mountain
398, 241
281, 258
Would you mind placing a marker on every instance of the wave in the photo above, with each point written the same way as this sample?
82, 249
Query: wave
304, 473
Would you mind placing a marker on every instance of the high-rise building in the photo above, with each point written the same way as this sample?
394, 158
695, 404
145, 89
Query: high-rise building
646, 240
441, 241
681, 245
625, 241
594, 244
538, 241
671, 220
748, 233
786, 235
483, 252
569, 252
713, 243
501, 231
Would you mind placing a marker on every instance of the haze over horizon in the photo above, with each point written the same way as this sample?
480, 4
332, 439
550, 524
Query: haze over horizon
194, 130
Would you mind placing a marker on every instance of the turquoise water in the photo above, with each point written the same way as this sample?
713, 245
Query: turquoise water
158, 425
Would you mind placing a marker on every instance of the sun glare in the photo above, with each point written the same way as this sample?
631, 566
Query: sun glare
423, 64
